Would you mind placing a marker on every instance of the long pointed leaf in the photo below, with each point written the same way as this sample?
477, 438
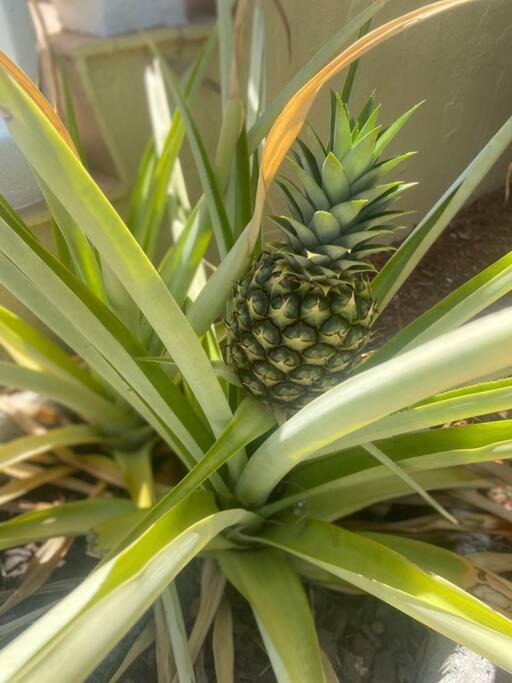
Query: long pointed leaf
454, 310
473, 351
376, 485
86, 403
32, 349
250, 421
84, 259
69, 519
96, 334
423, 450
472, 401
26, 446
78, 193
111, 599
398, 268
216, 208
384, 573
278, 600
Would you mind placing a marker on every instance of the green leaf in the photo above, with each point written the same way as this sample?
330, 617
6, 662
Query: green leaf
232, 122
142, 187
273, 590
26, 446
264, 123
358, 158
85, 261
111, 599
221, 369
472, 401
88, 404
399, 267
431, 558
387, 575
33, 349
424, 450
352, 71
71, 120
53, 159
335, 181
408, 480
391, 131
243, 184
257, 77
216, 208
105, 344
179, 266
360, 490
251, 420
225, 24
346, 212
69, 519
145, 219
135, 466
211, 300
304, 210
377, 173
454, 310
473, 351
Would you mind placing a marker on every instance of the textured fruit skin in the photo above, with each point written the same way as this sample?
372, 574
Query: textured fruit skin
292, 339
303, 313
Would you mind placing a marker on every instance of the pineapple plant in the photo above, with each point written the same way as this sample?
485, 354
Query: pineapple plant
142, 374
303, 313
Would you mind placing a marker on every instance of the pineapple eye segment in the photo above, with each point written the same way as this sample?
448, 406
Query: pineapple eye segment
266, 334
257, 304
300, 336
285, 308
284, 358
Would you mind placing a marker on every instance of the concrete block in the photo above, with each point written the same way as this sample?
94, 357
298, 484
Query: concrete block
114, 17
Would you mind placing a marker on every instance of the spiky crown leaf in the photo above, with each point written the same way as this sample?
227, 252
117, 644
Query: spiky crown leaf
341, 215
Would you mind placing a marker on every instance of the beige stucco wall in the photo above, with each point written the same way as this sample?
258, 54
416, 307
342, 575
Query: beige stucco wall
459, 62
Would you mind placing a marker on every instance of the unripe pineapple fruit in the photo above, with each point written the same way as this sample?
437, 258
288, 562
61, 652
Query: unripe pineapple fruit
303, 313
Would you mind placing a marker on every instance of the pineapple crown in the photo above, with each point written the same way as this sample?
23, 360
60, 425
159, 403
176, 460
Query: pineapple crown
341, 215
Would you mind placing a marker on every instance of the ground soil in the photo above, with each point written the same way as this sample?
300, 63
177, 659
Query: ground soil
367, 641
480, 235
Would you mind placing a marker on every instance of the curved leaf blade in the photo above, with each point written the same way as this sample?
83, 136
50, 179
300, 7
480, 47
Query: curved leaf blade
400, 265
26, 446
87, 403
267, 581
73, 186
469, 401
472, 351
32, 349
384, 573
454, 310
114, 596
68, 519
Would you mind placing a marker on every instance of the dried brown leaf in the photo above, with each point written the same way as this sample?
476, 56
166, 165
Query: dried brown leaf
41, 567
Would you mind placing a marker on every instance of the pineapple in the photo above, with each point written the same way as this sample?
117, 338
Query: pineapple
303, 314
